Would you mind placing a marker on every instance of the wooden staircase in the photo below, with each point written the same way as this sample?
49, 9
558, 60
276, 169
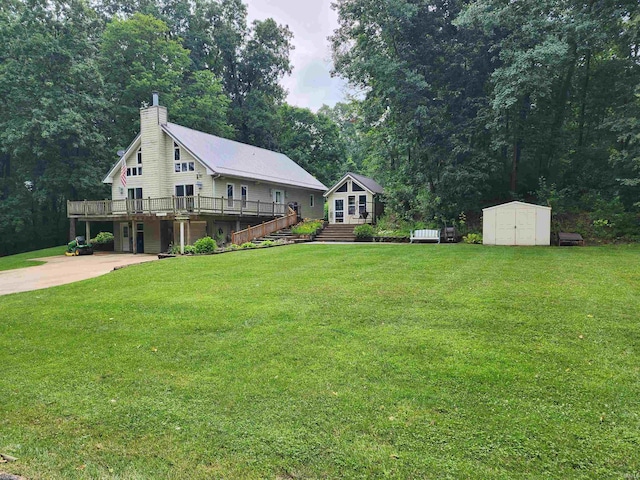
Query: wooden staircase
337, 232
284, 234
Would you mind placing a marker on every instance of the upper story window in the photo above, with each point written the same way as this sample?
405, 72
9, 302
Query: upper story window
356, 188
137, 170
185, 167
176, 152
245, 194
343, 187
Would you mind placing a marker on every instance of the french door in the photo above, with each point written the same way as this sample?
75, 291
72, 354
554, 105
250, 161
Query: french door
135, 194
338, 211
184, 200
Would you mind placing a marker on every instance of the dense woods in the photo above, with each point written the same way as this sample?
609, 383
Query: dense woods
463, 104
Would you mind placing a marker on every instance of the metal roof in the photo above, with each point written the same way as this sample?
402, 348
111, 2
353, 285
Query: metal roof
230, 158
366, 182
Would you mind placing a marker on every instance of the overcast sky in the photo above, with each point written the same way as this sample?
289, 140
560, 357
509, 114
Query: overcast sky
311, 21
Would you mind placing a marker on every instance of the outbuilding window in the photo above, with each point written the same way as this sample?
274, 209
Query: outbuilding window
352, 204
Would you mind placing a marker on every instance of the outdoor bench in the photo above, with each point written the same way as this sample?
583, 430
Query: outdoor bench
425, 235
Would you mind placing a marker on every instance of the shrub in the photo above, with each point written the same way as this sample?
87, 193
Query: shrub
102, 242
102, 238
205, 245
307, 228
220, 239
188, 249
472, 238
248, 245
268, 243
363, 231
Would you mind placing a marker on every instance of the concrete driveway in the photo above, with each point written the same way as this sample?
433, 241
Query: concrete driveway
62, 270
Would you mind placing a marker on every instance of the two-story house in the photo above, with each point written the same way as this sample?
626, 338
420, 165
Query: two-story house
176, 185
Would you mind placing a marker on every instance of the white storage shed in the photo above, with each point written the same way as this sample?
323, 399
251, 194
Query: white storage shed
516, 223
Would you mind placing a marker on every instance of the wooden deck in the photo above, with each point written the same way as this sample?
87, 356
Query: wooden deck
172, 206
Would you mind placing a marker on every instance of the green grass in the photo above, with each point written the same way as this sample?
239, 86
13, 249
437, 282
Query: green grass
331, 361
23, 260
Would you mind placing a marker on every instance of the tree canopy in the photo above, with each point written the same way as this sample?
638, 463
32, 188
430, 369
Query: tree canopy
465, 103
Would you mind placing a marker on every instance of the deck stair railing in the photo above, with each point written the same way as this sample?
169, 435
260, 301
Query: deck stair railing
264, 229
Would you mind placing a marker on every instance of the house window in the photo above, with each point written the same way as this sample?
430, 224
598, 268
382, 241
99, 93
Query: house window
352, 205
135, 171
245, 191
343, 188
362, 204
356, 188
176, 152
185, 167
312, 201
230, 194
184, 190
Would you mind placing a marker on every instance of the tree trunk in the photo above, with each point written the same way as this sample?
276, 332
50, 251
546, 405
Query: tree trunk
514, 165
583, 100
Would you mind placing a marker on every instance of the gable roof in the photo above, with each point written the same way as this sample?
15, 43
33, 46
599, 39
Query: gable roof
231, 158
516, 203
109, 177
366, 182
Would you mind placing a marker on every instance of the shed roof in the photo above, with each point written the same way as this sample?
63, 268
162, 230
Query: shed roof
516, 203
230, 158
368, 183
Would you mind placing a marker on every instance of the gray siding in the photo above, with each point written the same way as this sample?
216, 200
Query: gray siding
264, 192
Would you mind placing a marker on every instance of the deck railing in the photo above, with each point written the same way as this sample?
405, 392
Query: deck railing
175, 205
251, 233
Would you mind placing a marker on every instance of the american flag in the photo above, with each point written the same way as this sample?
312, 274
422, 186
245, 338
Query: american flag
123, 173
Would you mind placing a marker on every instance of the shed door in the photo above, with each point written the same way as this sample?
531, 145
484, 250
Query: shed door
526, 226
506, 226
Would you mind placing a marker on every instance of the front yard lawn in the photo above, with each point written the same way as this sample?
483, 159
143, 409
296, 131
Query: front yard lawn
331, 361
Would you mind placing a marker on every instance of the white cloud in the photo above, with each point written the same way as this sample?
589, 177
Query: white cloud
312, 22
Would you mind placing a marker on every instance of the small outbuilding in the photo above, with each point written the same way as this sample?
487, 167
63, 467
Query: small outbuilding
516, 223
354, 200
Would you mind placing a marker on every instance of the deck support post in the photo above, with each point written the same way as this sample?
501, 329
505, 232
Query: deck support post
133, 236
182, 237
87, 230
72, 228
238, 225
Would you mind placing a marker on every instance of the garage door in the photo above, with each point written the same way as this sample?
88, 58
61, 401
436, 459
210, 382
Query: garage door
505, 226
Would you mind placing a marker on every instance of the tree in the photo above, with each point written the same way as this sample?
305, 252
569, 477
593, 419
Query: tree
252, 79
424, 82
138, 56
313, 141
51, 119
